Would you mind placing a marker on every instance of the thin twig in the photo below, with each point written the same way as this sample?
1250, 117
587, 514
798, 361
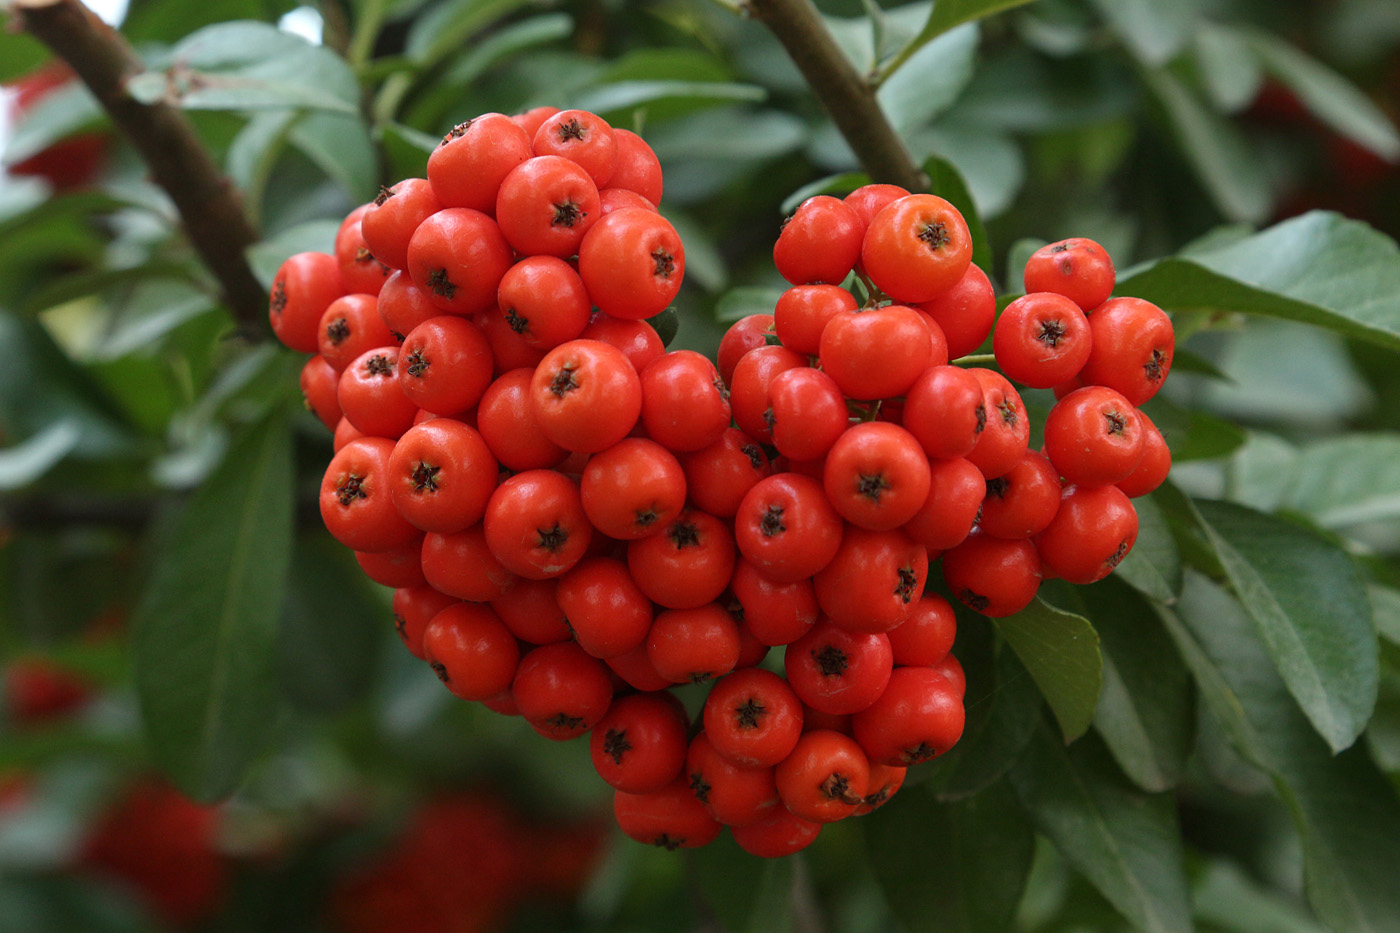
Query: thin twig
847, 96
209, 205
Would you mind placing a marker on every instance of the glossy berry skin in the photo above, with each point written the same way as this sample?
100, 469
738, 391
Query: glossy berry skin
633, 489
733, 794
876, 476
355, 501
742, 336
750, 386
774, 613
718, 477
360, 271
877, 353
825, 778
530, 610
607, 612
471, 651
414, 607
926, 637
1006, 434
803, 311
1133, 348
535, 524
319, 382
873, 581
869, 200
753, 718
370, 395
918, 717
1093, 437
693, 645
507, 423
819, 243
393, 217
544, 301
1022, 501
468, 166
445, 365
780, 833
946, 411
583, 138
786, 528
916, 248
561, 691
1077, 268
441, 475
671, 818
640, 745
956, 490
350, 326
1155, 464
836, 671
303, 288
687, 563
994, 576
965, 313
546, 205
1093, 530
396, 568
461, 564
809, 413
637, 168
1041, 340
637, 340
403, 305
632, 262
458, 257
585, 395
685, 406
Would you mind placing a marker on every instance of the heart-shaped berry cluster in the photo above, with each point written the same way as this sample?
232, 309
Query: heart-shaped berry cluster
576, 520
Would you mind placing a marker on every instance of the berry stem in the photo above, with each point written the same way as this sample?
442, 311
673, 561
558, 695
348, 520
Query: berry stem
848, 96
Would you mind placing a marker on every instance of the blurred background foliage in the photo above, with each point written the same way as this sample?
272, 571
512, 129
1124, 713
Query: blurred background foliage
139, 435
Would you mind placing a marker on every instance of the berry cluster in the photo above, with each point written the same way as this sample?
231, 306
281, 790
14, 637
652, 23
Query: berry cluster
576, 521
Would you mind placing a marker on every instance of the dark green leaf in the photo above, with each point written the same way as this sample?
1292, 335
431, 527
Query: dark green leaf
447, 26
1127, 843
1332, 98
931, 79
332, 623
1319, 268
20, 53
749, 895
1154, 31
666, 324
1061, 652
946, 182
1230, 72
1193, 434
1003, 709
267, 256
1147, 713
1346, 810
746, 300
205, 631
506, 42
1153, 566
837, 185
951, 867
341, 147
1310, 607
614, 101
23, 463
946, 15
1216, 148
1339, 483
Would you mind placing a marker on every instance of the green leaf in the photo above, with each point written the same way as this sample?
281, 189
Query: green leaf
620, 98
1125, 842
1229, 70
1347, 812
1061, 652
951, 867
946, 15
1193, 434
1216, 148
204, 634
1003, 709
749, 895
1154, 31
506, 43
931, 79
1332, 98
23, 463
745, 300
1310, 607
341, 147
60, 113
267, 256
1320, 268
20, 53
1147, 713
838, 185
946, 182
1227, 897
1339, 483
1153, 566
332, 620
447, 26
666, 324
